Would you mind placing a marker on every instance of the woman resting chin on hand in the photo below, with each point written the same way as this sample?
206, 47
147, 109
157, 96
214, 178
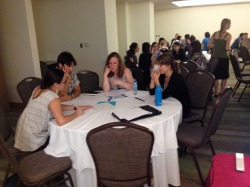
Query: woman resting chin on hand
116, 75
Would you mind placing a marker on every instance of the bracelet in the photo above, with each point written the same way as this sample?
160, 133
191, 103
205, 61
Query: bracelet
75, 108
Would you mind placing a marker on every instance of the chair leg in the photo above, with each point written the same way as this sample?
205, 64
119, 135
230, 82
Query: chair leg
235, 87
197, 167
243, 67
242, 92
211, 146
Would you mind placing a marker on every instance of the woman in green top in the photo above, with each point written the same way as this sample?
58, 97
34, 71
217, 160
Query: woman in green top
220, 42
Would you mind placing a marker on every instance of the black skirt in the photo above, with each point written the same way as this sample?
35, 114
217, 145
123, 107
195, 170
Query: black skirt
222, 69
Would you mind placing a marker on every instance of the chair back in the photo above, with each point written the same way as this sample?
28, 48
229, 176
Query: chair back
244, 53
217, 113
138, 74
9, 156
236, 67
44, 68
190, 65
5, 128
121, 152
199, 84
26, 87
183, 72
89, 80
212, 65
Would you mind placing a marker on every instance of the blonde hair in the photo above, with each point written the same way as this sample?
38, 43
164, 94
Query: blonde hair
223, 23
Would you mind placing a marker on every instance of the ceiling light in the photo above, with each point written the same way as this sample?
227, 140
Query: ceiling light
206, 2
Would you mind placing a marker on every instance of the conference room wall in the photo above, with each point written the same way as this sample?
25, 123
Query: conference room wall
198, 20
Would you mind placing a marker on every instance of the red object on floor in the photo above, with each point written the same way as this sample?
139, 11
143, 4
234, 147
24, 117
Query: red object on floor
223, 172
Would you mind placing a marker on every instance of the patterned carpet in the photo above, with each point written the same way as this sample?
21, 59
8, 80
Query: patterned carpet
232, 136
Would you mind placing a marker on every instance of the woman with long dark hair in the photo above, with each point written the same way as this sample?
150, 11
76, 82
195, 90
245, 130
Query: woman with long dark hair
131, 53
32, 127
172, 83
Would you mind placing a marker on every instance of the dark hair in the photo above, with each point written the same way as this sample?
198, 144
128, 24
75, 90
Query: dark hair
52, 76
121, 65
241, 34
192, 38
132, 47
207, 34
167, 59
196, 47
160, 39
146, 47
187, 36
66, 58
176, 43
178, 37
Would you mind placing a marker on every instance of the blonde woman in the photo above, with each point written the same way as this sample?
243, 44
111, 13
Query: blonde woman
220, 43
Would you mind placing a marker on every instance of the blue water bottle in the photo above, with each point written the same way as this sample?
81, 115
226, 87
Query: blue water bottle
158, 95
135, 87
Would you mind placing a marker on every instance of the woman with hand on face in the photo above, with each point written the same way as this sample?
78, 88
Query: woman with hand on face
116, 74
32, 126
172, 83
66, 62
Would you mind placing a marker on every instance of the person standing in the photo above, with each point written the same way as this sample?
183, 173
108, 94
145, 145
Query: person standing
220, 43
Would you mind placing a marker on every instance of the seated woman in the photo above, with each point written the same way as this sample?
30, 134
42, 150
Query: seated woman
178, 52
116, 74
32, 127
197, 56
131, 53
66, 62
171, 82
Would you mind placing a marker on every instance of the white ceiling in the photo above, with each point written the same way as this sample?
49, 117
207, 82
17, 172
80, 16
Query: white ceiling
159, 4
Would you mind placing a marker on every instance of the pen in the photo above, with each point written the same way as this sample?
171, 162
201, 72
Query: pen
139, 99
110, 97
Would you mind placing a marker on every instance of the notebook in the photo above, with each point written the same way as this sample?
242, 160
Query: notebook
135, 113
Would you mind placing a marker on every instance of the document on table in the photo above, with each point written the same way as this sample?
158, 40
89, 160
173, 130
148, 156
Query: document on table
130, 114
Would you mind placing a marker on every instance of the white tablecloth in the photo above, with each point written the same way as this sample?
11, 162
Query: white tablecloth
70, 139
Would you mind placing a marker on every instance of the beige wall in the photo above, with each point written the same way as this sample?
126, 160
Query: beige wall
135, 24
198, 20
61, 25
19, 56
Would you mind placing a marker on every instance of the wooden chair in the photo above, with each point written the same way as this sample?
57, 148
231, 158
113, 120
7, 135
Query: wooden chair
194, 137
38, 168
121, 152
200, 84
26, 86
89, 81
